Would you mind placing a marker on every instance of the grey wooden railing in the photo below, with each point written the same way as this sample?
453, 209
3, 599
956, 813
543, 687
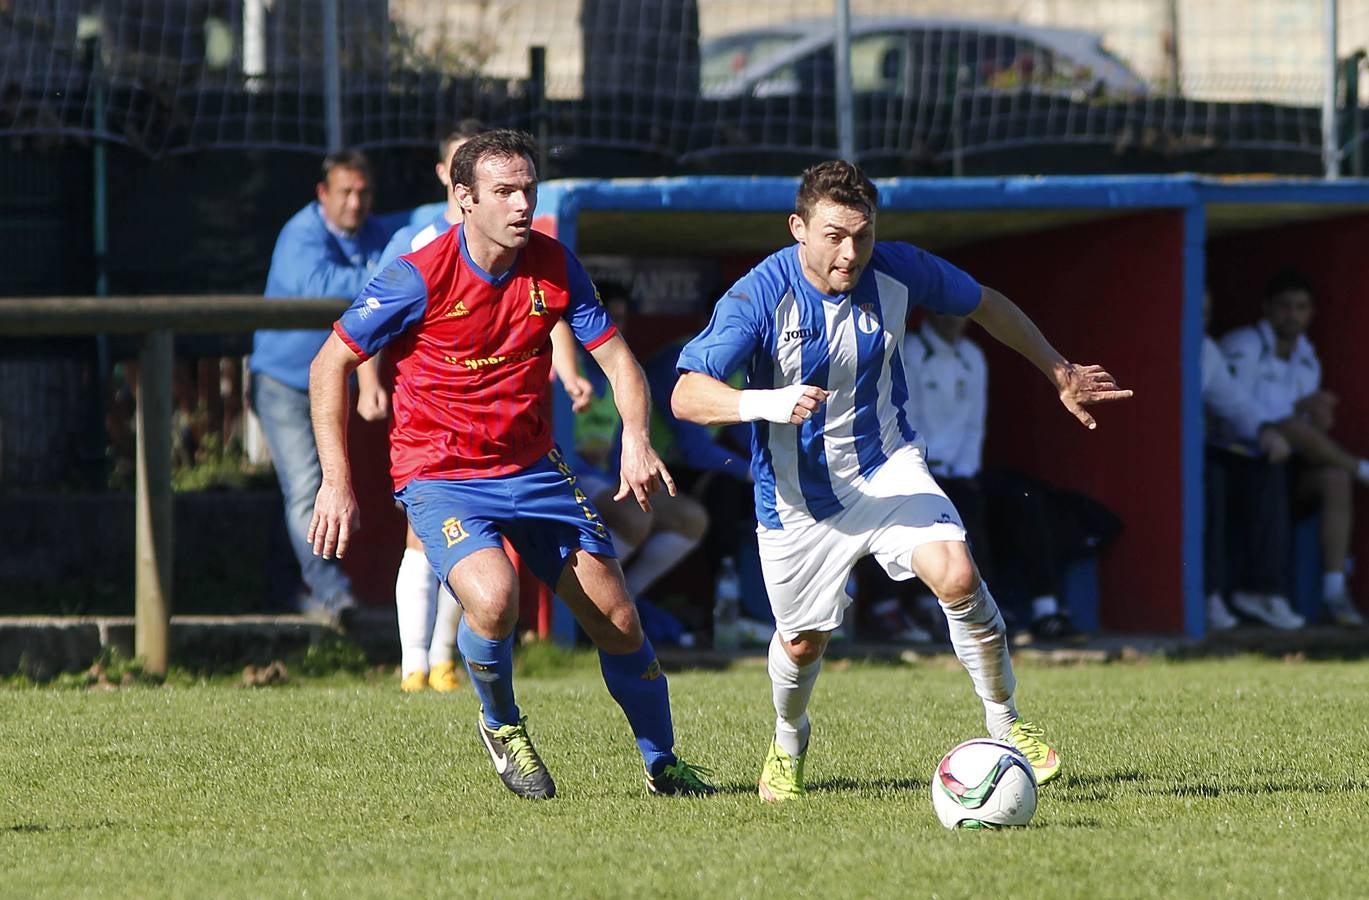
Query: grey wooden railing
156, 320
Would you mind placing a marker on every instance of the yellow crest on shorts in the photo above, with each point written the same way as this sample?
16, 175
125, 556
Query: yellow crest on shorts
453, 532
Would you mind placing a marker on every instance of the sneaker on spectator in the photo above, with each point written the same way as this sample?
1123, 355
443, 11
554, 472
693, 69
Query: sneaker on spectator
1269, 609
892, 624
1341, 610
1219, 618
1055, 627
334, 612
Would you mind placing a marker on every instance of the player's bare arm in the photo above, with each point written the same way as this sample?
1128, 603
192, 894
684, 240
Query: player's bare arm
335, 507
641, 471
563, 360
373, 398
706, 400
1078, 385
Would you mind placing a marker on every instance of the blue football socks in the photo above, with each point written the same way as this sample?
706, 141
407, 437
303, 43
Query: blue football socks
490, 665
636, 681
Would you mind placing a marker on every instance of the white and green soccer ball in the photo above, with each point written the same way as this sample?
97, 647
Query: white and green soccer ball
984, 784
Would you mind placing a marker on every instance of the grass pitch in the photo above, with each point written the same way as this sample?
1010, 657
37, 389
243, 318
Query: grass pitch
1244, 777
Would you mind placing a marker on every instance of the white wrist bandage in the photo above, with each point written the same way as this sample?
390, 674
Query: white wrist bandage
772, 406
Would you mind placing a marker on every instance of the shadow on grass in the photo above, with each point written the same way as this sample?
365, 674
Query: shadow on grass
36, 828
839, 785
878, 785
1266, 788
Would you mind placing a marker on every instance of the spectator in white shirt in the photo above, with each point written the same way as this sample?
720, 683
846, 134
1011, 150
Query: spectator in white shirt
1277, 365
1245, 488
948, 405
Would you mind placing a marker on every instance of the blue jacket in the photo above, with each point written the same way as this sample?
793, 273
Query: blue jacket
311, 261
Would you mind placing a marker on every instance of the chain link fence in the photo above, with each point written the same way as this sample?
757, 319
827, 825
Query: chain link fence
667, 86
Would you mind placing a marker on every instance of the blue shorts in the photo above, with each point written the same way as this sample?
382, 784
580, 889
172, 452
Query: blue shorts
542, 510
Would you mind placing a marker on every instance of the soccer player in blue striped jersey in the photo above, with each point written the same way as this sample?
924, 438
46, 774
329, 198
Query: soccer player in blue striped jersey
838, 465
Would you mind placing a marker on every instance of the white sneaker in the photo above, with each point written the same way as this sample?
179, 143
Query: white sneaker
1281, 615
1271, 609
1219, 618
1341, 610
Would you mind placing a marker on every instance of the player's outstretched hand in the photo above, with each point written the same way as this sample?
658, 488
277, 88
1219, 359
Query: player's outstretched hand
642, 473
335, 518
1083, 386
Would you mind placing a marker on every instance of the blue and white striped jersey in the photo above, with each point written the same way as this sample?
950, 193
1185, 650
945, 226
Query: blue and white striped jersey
785, 331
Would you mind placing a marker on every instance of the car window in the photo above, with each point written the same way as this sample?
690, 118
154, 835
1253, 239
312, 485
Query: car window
878, 61
725, 58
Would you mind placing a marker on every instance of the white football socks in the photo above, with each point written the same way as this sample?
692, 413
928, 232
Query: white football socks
415, 587
791, 685
442, 647
981, 644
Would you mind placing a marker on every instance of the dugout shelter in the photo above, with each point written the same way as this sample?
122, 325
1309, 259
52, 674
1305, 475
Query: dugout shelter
1111, 268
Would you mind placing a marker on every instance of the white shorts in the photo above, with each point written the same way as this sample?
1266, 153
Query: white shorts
806, 567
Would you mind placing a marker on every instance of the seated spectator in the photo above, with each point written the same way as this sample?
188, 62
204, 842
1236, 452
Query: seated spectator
1245, 488
649, 544
1276, 364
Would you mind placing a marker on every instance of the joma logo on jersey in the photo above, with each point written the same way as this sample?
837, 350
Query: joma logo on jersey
453, 532
539, 300
458, 310
800, 334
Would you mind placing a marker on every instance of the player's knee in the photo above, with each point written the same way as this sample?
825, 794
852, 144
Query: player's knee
957, 578
807, 648
620, 630
491, 603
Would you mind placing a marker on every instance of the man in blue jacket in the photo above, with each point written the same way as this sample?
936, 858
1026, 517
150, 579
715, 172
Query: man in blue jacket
329, 248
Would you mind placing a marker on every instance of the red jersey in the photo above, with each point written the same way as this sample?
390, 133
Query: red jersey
472, 353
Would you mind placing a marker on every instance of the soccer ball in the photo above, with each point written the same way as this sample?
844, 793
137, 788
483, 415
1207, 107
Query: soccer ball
984, 784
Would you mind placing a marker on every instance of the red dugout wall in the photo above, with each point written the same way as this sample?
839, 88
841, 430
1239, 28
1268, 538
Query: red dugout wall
1108, 292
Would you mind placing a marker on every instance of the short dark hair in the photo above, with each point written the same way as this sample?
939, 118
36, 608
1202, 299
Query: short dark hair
836, 180
346, 158
464, 131
1286, 280
501, 143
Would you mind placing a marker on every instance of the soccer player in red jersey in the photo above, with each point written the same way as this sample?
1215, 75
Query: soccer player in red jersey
467, 320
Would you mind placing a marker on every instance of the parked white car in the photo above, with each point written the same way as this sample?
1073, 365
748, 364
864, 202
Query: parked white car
926, 58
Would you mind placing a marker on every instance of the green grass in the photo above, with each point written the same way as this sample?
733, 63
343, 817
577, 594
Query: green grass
1243, 777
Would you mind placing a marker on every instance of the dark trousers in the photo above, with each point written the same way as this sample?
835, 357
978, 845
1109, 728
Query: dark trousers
1247, 532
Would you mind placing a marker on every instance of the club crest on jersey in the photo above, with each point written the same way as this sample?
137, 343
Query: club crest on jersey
539, 300
458, 310
866, 320
453, 532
